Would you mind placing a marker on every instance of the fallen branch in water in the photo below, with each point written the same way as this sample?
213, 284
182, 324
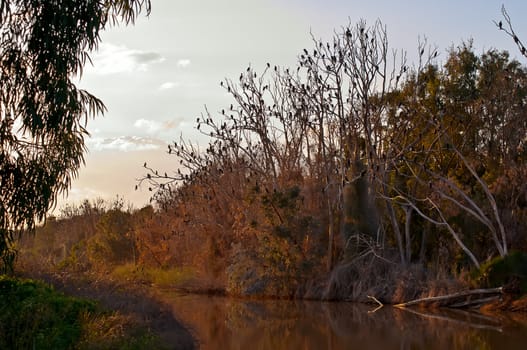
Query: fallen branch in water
458, 300
377, 301
474, 303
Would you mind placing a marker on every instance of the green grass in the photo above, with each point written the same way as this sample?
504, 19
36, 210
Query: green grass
160, 277
35, 316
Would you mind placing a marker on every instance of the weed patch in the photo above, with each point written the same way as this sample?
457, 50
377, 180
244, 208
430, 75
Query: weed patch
161, 277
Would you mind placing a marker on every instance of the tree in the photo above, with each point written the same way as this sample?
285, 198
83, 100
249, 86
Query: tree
113, 241
43, 115
468, 125
318, 127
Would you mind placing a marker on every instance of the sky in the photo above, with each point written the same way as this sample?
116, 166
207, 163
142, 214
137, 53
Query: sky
157, 76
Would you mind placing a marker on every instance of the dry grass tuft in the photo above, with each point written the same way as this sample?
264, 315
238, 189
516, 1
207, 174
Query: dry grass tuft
388, 282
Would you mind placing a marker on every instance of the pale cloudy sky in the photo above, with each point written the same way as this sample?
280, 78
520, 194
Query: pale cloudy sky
157, 76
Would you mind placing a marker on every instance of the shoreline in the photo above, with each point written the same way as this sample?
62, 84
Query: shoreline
506, 302
136, 301
144, 301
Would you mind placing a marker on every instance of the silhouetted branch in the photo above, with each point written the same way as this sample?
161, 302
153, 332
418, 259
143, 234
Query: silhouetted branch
509, 30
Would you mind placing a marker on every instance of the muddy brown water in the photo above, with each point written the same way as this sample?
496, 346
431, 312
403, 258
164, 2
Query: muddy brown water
227, 323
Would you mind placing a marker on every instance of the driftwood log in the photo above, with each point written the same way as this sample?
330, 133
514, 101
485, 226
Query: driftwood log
468, 298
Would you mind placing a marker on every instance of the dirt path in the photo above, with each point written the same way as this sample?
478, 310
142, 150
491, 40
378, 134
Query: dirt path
128, 299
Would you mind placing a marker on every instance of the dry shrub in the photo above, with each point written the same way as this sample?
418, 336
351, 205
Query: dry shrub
311, 290
363, 276
409, 283
442, 286
391, 283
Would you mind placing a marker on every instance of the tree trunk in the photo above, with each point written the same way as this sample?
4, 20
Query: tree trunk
330, 237
408, 237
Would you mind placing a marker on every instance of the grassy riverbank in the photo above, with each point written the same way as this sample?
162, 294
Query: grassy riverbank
34, 315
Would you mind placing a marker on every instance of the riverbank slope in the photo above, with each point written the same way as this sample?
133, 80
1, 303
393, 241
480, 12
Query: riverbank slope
129, 299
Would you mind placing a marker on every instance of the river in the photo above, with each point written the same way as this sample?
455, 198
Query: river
228, 323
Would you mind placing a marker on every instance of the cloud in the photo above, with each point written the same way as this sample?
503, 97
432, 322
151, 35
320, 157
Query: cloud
183, 63
169, 85
124, 143
112, 59
154, 126
79, 193
142, 57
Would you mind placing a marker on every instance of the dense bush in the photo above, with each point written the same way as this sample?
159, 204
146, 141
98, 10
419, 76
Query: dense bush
34, 316
510, 271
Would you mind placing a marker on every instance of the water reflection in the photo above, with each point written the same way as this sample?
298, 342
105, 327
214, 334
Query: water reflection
224, 323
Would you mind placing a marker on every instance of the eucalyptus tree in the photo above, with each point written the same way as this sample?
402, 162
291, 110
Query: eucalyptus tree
45, 44
469, 132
